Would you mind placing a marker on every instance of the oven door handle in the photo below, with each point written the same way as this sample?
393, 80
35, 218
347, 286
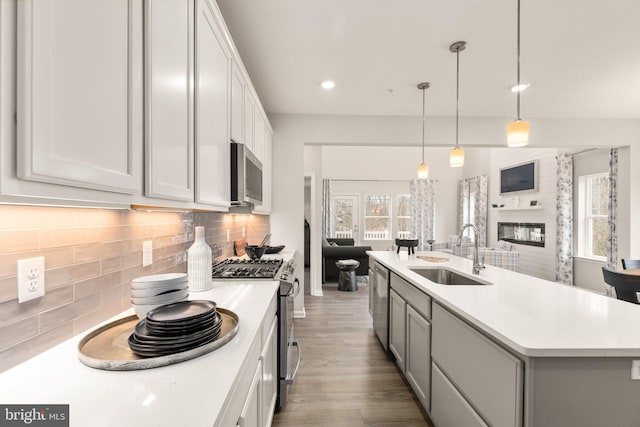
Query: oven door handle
296, 285
291, 377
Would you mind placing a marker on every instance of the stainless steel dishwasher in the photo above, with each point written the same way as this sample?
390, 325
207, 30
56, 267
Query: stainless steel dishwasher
380, 303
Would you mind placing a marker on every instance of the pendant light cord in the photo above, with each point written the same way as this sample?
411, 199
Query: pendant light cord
423, 112
457, 91
518, 51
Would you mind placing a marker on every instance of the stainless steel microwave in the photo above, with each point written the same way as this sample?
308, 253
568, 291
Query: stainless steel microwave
246, 176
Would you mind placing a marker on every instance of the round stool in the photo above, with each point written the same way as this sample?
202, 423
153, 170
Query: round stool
347, 275
410, 244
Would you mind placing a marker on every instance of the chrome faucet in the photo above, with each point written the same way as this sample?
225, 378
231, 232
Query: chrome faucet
477, 265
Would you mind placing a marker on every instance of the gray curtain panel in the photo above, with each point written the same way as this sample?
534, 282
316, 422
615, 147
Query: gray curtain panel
479, 186
612, 219
423, 211
326, 208
480, 208
564, 219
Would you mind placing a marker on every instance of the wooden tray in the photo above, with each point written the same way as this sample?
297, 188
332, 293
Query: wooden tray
432, 258
107, 347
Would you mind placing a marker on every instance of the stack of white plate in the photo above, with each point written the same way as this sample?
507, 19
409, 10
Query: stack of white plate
149, 292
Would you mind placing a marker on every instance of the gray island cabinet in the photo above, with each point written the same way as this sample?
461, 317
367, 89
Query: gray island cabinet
514, 351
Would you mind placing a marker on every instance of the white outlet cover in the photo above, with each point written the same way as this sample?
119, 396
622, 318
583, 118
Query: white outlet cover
147, 253
30, 279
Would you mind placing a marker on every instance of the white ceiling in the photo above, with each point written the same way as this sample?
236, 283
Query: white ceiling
582, 57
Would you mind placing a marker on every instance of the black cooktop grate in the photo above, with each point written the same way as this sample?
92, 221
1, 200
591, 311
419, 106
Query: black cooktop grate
243, 268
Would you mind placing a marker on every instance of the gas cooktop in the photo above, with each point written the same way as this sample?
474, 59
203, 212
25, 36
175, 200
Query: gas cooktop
247, 268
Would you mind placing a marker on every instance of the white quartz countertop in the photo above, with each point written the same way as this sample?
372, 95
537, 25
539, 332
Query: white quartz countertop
532, 316
190, 393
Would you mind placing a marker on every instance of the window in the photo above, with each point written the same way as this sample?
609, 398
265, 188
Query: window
593, 197
377, 217
468, 208
344, 214
403, 215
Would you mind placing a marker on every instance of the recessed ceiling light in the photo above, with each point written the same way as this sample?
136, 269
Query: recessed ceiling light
327, 84
519, 88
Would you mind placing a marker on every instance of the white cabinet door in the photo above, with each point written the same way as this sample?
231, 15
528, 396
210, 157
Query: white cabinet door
169, 35
212, 108
249, 107
79, 93
267, 176
270, 374
259, 129
252, 410
397, 327
237, 104
418, 356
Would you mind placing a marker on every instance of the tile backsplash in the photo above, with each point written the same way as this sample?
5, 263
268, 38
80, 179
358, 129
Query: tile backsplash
91, 255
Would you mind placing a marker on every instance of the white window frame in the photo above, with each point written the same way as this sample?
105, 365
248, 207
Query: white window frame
407, 234
585, 217
389, 217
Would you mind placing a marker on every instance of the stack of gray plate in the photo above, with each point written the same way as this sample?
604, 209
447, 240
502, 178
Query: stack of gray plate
149, 292
177, 327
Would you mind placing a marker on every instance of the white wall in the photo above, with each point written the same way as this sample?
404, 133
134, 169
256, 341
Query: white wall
533, 260
400, 163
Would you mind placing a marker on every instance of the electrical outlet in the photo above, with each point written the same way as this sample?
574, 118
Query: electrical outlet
228, 235
635, 369
30, 278
244, 231
147, 253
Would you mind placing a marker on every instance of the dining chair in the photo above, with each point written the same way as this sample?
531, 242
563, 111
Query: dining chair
630, 264
627, 286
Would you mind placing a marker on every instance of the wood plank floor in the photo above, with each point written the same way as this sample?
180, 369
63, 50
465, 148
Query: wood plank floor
345, 377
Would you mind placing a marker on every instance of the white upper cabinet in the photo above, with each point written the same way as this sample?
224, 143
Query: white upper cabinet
259, 130
249, 113
79, 93
169, 62
237, 104
212, 108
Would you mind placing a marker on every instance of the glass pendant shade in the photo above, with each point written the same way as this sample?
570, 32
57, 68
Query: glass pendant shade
456, 157
518, 133
423, 171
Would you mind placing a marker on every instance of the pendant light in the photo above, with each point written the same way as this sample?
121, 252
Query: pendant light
456, 156
423, 169
518, 130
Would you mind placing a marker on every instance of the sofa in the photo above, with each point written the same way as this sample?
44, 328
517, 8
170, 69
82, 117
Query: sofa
334, 249
504, 255
450, 246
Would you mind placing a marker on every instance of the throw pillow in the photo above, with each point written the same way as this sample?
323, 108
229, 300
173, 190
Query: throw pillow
504, 246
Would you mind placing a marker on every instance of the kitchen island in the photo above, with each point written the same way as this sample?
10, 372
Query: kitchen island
514, 350
207, 391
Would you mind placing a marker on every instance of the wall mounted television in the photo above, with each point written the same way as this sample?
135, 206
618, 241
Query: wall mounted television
519, 178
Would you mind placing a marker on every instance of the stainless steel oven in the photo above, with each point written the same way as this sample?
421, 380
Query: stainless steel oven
288, 347
287, 274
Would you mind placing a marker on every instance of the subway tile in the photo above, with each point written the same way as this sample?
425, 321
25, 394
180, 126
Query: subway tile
67, 313
95, 285
111, 264
88, 321
8, 289
119, 232
57, 237
56, 257
17, 332
114, 294
96, 251
65, 275
28, 217
18, 240
34, 346
12, 311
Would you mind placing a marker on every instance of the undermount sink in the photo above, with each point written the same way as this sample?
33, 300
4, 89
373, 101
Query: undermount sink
446, 277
